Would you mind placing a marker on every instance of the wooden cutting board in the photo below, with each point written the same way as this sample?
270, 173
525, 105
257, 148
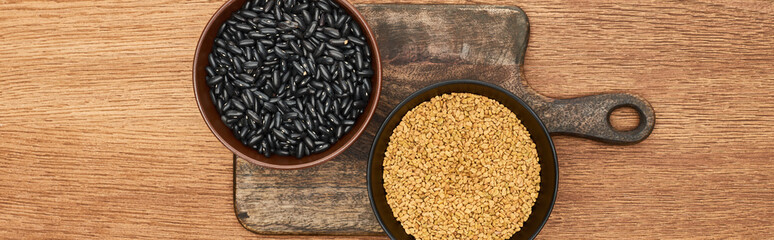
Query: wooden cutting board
420, 45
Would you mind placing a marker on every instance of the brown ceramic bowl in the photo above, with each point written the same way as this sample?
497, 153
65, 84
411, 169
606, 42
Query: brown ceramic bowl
224, 134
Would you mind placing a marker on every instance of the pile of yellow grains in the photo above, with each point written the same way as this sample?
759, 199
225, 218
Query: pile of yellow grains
461, 166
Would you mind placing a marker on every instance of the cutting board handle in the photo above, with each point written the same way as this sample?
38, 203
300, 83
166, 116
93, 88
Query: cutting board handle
589, 117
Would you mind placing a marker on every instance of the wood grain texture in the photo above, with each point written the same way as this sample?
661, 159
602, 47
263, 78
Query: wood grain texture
100, 135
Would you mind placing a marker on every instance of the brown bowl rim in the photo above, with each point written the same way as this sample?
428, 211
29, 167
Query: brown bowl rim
348, 139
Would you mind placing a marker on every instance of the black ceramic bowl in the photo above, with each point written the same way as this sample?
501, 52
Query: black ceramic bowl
549, 171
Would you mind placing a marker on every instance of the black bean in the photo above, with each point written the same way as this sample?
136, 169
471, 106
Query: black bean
319, 50
302, 91
268, 31
299, 23
220, 42
283, 107
267, 22
237, 105
323, 6
234, 49
321, 147
268, 43
299, 69
329, 20
268, 5
347, 108
339, 131
285, 26
241, 84
337, 90
309, 143
261, 49
265, 149
344, 29
326, 60
320, 36
243, 27
255, 35
255, 139
262, 96
253, 116
291, 115
299, 151
251, 65
358, 61
280, 53
358, 104
335, 55
299, 7
246, 77
279, 134
307, 16
333, 119
320, 113
221, 29
218, 102
250, 53
295, 48
269, 107
246, 42
323, 96
308, 45
365, 73
297, 124
332, 32
217, 90
248, 97
341, 21
276, 80
312, 134
276, 120
214, 80
367, 52
243, 133
316, 84
248, 13
356, 40
213, 62
325, 74
233, 114
355, 29
287, 37
338, 42
366, 85
342, 70
282, 152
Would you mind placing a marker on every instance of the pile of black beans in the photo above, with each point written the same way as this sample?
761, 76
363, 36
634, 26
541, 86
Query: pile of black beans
290, 77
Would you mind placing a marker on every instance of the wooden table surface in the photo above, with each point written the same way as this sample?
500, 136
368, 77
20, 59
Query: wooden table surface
100, 134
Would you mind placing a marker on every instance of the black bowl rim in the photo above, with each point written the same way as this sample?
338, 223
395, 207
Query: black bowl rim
451, 82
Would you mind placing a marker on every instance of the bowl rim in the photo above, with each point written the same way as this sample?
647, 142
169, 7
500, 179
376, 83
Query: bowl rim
451, 82
357, 130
